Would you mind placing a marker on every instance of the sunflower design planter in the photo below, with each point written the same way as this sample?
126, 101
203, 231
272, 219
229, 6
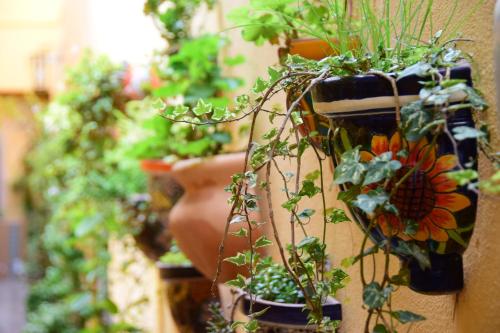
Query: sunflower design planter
361, 111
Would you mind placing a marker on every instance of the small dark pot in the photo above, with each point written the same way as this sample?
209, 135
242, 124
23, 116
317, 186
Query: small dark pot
150, 235
188, 295
362, 110
288, 318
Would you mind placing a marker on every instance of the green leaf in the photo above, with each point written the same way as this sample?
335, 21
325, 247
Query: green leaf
270, 134
309, 189
410, 249
313, 175
158, 104
291, 203
336, 215
238, 260
180, 110
239, 282
373, 295
371, 201
464, 132
240, 233
350, 170
463, 177
252, 326
380, 168
260, 86
221, 113
202, 108
262, 242
234, 61
405, 317
380, 328
306, 213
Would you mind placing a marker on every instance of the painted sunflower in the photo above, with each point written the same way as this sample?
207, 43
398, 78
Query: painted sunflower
427, 197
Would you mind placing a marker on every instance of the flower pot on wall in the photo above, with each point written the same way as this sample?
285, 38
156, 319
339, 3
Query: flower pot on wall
288, 318
163, 190
151, 236
362, 110
188, 294
198, 220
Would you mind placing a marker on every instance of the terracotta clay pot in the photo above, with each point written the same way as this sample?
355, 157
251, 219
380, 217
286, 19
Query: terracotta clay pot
198, 220
188, 295
362, 110
288, 318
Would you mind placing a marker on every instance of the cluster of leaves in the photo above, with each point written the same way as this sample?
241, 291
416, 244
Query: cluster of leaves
375, 52
175, 257
74, 186
265, 20
174, 17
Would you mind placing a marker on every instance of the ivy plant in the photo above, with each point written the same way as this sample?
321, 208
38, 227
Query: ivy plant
376, 53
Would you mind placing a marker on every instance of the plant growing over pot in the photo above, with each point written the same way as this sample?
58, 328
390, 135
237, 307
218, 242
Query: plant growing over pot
408, 178
189, 73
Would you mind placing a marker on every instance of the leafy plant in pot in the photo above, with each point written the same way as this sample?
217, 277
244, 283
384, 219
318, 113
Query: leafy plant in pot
191, 72
425, 144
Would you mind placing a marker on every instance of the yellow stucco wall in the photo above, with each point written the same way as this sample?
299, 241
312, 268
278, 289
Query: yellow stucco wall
477, 308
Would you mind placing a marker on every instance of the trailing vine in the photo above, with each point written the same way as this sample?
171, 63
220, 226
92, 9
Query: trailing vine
370, 180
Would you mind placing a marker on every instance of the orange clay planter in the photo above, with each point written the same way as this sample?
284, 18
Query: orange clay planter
198, 220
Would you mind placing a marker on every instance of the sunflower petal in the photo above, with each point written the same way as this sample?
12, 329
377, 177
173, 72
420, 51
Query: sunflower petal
454, 202
436, 233
443, 183
415, 148
429, 153
365, 156
422, 233
389, 224
443, 218
395, 145
444, 163
380, 144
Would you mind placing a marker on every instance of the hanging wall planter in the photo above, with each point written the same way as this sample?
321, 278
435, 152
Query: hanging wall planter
361, 110
287, 318
198, 220
313, 49
163, 190
188, 295
151, 236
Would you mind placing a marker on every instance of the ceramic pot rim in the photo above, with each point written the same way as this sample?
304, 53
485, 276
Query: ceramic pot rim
173, 272
383, 103
329, 301
155, 166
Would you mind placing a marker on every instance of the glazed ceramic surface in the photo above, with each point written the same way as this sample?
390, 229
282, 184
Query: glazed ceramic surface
361, 110
288, 318
198, 220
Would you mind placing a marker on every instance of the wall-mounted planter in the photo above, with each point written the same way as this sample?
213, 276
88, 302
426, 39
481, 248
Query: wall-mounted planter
362, 108
314, 49
198, 220
288, 318
164, 192
188, 294
151, 238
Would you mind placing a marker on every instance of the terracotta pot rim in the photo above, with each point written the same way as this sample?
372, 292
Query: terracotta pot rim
202, 161
155, 166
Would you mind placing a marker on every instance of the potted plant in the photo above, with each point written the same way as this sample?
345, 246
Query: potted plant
188, 292
192, 72
422, 149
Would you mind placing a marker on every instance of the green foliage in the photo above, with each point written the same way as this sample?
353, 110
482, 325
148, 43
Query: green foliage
175, 257
75, 186
174, 17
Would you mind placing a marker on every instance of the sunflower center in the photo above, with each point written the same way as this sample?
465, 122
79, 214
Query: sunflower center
415, 197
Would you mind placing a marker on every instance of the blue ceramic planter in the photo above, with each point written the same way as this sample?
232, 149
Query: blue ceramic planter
361, 109
289, 318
